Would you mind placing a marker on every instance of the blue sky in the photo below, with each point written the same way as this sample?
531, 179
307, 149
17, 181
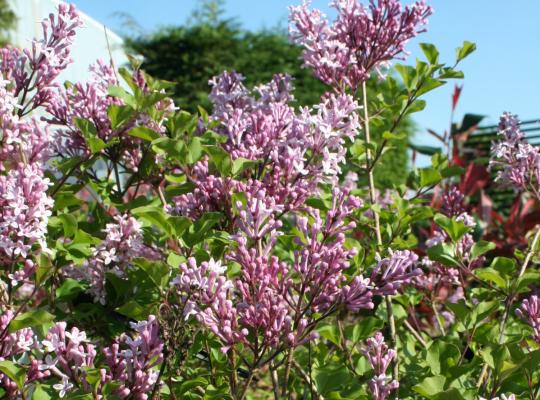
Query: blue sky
501, 76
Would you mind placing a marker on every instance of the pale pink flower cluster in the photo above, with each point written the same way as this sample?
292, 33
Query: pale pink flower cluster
34, 70
133, 365
394, 272
24, 212
66, 355
452, 207
516, 161
294, 151
88, 101
529, 311
123, 242
441, 277
26, 81
380, 357
276, 300
14, 345
361, 39
91, 101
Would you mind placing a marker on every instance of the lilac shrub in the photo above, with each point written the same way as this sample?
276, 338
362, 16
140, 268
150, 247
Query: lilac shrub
246, 252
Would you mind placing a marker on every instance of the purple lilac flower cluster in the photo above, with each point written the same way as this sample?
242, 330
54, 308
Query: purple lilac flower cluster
277, 300
380, 357
65, 356
123, 242
517, 162
361, 39
27, 82
529, 311
295, 151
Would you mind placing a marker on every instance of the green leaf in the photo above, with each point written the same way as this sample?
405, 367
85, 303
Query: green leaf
242, 164
528, 278
453, 170
431, 52
195, 150
426, 150
480, 248
14, 372
30, 319
504, 265
331, 333
408, 75
365, 328
40, 393
393, 136
70, 289
454, 228
220, 158
69, 223
154, 216
441, 356
157, 271
129, 99
44, 268
174, 260
89, 133
171, 148
119, 115
429, 177
144, 133
491, 275
443, 253
465, 50
134, 310
430, 386
428, 85
180, 224
198, 231
416, 106
188, 386
460, 309
329, 378
450, 394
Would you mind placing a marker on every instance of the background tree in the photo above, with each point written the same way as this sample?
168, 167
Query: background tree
190, 55
8, 20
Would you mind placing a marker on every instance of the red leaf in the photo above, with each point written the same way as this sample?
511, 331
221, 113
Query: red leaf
476, 177
455, 96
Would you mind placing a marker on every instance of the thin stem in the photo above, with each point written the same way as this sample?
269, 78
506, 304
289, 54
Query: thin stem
438, 318
233, 378
511, 297
509, 301
117, 177
275, 380
371, 183
288, 365
66, 177
371, 180
308, 380
160, 375
415, 333
246, 386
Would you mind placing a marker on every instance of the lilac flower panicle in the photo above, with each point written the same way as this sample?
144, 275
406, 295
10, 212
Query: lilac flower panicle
123, 243
516, 161
380, 357
395, 271
360, 41
38, 67
132, 362
529, 311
